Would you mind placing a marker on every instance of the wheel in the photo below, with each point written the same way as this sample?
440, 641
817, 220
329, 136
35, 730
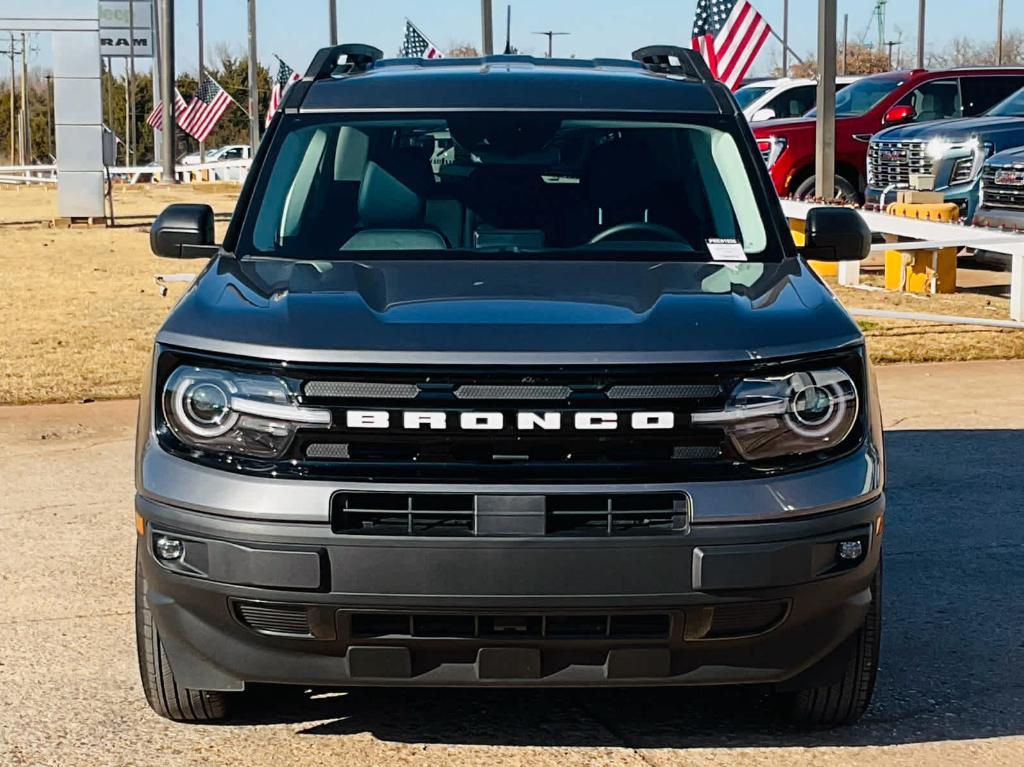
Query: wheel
844, 190
845, 701
163, 693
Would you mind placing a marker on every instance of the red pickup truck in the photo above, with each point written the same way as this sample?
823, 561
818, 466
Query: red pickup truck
867, 106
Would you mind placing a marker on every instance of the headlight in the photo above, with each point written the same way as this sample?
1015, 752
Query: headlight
937, 148
235, 413
787, 415
771, 149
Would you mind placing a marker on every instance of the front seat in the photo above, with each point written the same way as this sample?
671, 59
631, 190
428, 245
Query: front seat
391, 216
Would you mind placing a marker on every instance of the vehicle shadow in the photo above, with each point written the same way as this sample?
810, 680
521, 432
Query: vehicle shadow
952, 655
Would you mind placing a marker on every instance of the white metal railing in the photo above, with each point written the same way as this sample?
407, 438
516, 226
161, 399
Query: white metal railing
224, 170
932, 235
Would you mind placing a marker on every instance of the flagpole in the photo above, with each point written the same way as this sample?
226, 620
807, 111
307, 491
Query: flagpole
254, 126
202, 144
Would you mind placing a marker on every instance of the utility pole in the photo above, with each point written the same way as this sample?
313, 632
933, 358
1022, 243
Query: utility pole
999, 35
26, 126
202, 70
785, 38
169, 140
825, 121
332, 14
890, 45
551, 36
10, 55
49, 108
846, 41
254, 108
920, 34
487, 27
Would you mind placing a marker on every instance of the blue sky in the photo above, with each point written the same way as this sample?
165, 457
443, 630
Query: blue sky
294, 29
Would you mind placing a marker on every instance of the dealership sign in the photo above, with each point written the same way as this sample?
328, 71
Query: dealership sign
126, 28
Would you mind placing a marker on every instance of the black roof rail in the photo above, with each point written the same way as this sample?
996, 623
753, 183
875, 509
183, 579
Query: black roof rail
674, 60
358, 58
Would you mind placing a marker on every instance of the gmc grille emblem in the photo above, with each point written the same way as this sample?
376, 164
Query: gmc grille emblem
892, 155
1010, 177
523, 420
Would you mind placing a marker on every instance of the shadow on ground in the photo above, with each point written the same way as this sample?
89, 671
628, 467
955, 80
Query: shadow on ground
952, 655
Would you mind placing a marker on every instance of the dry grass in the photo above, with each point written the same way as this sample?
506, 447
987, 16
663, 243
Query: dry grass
79, 307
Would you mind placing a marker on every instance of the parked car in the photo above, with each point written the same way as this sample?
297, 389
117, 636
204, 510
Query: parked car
1001, 199
782, 98
569, 409
945, 156
867, 106
229, 152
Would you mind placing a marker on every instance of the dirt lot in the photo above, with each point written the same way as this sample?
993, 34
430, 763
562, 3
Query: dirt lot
950, 691
79, 307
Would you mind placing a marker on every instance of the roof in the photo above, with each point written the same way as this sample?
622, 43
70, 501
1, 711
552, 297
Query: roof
509, 82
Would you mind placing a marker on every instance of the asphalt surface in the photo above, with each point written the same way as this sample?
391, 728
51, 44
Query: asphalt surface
950, 691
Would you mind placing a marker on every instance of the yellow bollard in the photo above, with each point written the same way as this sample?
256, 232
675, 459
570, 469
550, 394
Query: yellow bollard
922, 271
824, 268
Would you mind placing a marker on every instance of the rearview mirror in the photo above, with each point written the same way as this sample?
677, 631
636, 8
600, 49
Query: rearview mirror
183, 230
899, 114
763, 114
836, 234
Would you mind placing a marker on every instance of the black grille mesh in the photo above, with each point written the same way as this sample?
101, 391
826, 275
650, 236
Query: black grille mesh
360, 389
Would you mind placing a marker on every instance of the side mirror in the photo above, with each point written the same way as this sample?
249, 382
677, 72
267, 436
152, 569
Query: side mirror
763, 114
898, 114
183, 230
836, 234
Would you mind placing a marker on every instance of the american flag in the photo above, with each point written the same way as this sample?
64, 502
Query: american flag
416, 44
156, 117
205, 109
285, 77
729, 34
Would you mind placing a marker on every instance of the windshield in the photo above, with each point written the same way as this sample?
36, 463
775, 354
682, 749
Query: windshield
860, 97
502, 182
748, 94
1013, 106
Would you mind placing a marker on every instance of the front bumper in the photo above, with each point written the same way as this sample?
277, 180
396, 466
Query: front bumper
965, 196
723, 603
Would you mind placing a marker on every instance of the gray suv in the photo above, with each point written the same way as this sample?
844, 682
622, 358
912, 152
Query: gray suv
507, 373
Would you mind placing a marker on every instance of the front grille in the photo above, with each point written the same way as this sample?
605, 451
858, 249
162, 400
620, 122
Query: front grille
274, 620
893, 162
544, 626
542, 453
467, 514
1008, 191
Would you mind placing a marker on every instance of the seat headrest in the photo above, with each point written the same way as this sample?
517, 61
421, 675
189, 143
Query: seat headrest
387, 203
620, 173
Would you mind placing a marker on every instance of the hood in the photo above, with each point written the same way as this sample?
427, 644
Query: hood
1009, 157
959, 129
507, 311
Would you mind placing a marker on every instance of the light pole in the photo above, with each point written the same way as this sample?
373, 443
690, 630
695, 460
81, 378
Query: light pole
785, 38
487, 27
254, 109
202, 69
920, 34
167, 91
999, 35
825, 122
332, 14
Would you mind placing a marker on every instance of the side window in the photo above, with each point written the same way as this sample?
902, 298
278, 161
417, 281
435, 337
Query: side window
982, 93
795, 102
935, 100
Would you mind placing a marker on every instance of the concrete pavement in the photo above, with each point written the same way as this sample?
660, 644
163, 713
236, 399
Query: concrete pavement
951, 688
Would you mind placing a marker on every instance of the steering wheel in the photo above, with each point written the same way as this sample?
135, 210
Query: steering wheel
660, 232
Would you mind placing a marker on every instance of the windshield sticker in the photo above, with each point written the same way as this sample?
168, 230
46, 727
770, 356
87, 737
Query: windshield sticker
722, 249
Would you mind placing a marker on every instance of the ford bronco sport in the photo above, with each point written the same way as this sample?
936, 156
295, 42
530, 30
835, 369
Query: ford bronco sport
507, 373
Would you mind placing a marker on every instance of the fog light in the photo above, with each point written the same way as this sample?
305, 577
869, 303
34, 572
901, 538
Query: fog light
850, 550
168, 548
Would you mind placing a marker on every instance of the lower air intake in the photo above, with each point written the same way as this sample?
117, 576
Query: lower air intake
274, 620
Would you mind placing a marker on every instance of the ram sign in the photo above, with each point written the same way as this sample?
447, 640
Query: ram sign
121, 23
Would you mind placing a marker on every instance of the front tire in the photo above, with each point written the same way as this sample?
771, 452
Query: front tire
845, 701
844, 191
164, 695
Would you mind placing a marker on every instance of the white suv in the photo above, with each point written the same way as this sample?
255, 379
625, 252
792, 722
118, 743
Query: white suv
782, 98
